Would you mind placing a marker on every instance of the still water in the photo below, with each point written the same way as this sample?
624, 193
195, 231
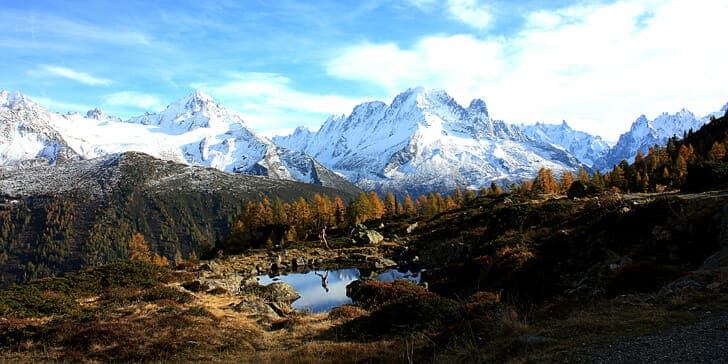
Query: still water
317, 297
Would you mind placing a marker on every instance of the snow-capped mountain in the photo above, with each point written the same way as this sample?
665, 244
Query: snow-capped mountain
646, 133
423, 141
194, 130
587, 148
25, 136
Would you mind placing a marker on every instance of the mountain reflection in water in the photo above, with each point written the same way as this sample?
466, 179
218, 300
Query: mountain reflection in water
315, 297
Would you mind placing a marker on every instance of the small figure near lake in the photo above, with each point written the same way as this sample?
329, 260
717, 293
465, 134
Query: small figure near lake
322, 236
324, 280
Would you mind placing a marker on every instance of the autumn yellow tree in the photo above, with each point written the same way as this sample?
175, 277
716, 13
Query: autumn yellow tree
469, 195
279, 212
408, 207
583, 175
717, 152
138, 249
160, 260
339, 210
265, 212
390, 204
457, 196
494, 190
421, 204
545, 182
567, 178
377, 205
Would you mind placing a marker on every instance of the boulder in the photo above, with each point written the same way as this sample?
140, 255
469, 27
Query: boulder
383, 263
361, 235
257, 308
411, 227
279, 292
298, 262
372, 237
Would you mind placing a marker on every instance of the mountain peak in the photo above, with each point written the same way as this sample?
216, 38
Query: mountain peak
11, 99
194, 102
96, 113
478, 105
422, 98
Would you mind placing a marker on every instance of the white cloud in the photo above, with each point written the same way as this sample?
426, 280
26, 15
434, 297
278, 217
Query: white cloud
470, 12
269, 101
130, 99
454, 63
77, 76
598, 66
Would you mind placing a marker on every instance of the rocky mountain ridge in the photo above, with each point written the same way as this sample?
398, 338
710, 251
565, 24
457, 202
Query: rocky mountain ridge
195, 130
424, 141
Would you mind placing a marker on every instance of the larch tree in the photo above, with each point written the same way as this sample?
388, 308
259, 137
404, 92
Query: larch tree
279, 212
567, 178
583, 175
408, 207
377, 205
339, 210
545, 182
390, 204
138, 249
717, 152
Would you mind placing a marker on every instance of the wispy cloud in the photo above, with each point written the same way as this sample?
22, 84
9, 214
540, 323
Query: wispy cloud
471, 12
474, 13
599, 65
77, 76
41, 25
130, 99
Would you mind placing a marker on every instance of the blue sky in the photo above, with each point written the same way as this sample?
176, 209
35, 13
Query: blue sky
596, 64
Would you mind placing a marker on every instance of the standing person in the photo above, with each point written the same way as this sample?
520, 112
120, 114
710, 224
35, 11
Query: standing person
323, 237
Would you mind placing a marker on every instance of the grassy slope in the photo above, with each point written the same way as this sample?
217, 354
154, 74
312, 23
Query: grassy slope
501, 272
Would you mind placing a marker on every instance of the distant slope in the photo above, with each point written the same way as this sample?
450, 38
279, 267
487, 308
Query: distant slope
60, 218
585, 147
194, 130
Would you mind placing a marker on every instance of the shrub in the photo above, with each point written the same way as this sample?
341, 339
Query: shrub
346, 312
374, 293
